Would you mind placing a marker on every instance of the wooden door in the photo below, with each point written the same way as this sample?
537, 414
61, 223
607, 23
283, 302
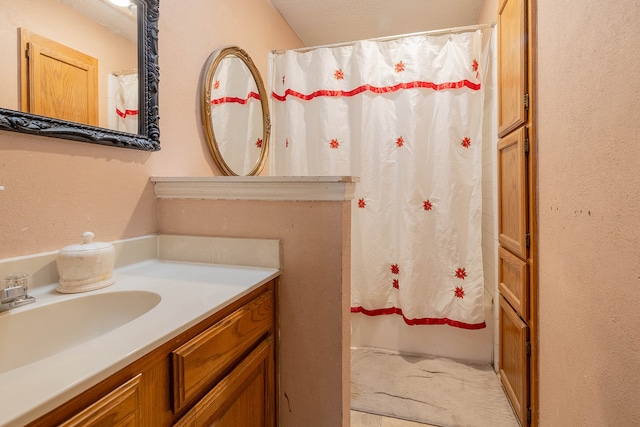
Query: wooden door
512, 66
517, 264
512, 193
513, 368
245, 397
57, 81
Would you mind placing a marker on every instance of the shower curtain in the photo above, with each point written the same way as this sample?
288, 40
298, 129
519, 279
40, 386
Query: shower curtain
127, 102
406, 117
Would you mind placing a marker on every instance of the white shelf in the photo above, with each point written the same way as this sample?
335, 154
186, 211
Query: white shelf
273, 188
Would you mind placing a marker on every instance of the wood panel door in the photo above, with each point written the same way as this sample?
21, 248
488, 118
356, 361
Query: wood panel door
513, 369
512, 193
517, 211
513, 281
57, 81
512, 66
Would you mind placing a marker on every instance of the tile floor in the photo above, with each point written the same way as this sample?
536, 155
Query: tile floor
362, 419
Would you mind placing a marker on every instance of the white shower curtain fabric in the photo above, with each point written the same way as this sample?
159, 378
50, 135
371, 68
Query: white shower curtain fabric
127, 102
406, 117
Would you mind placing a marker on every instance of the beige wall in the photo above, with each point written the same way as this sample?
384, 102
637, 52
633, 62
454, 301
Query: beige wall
56, 189
313, 294
589, 212
488, 12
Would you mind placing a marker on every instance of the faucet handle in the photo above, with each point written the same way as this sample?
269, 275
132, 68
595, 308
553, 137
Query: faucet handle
14, 290
17, 280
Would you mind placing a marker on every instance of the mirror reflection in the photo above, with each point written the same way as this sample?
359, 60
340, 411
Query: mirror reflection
132, 37
235, 113
80, 66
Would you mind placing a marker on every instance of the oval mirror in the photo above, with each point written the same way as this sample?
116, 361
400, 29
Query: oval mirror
235, 112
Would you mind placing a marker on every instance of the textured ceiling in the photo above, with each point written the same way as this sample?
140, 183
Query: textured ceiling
319, 22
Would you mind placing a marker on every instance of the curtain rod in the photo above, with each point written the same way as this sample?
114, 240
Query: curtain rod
125, 72
452, 30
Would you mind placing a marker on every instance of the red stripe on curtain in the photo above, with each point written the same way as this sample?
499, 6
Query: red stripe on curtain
126, 113
375, 89
235, 99
421, 321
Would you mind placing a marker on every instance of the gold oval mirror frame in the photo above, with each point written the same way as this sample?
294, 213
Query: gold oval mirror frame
235, 112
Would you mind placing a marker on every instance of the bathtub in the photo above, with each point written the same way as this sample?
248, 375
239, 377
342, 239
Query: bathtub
389, 332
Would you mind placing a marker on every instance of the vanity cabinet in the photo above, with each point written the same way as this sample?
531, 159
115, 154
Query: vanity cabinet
121, 407
221, 370
242, 394
241, 398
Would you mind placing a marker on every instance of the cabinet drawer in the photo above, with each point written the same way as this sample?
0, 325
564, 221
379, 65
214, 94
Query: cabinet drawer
205, 358
245, 397
120, 407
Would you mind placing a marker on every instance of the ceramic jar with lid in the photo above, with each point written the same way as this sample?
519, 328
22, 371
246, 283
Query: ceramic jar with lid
86, 266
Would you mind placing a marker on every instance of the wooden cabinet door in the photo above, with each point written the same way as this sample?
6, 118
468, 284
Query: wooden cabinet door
245, 397
513, 281
512, 66
513, 368
201, 360
57, 81
121, 407
512, 193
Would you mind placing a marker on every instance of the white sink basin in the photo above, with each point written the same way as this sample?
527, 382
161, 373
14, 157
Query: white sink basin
37, 332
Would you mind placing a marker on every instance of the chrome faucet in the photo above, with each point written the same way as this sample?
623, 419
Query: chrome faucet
14, 291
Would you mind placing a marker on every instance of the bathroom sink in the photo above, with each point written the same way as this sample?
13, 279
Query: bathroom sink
38, 332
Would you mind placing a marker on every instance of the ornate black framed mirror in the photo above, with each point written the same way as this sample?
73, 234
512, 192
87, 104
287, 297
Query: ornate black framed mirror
235, 112
50, 81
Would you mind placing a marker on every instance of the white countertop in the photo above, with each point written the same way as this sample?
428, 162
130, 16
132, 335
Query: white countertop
190, 293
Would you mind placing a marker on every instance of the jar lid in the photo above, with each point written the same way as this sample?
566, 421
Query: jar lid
87, 244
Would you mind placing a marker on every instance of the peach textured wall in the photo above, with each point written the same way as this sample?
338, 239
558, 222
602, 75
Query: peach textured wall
71, 29
313, 293
56, 189
589, 212
488, 12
